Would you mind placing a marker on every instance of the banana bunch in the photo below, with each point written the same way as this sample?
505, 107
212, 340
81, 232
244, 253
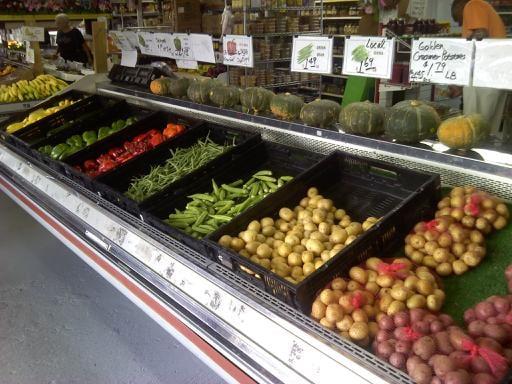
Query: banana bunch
38, 114
41, 87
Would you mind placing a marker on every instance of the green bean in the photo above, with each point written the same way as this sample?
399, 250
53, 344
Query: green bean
234, 190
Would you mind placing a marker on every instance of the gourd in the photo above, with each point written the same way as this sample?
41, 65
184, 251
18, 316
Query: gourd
199, 91
178, 87
286, 106
256, 99
320, 113
411, 121
160, 86
463, 132
363, 118
225, 96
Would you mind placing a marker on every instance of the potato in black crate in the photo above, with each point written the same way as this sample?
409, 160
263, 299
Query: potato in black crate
359, 188
147, 178
271, 160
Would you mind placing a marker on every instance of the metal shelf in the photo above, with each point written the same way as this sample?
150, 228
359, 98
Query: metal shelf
342, 18
336, 1
272, 60
331, 94
281, 9
336, 76
289, 84
304, 33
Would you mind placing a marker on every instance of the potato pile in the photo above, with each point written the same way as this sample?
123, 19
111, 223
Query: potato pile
445, 245
474, 209
301, 240
432, 350
351, 306
492, 318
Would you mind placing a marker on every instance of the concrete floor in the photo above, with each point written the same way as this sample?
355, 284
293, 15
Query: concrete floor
60, 322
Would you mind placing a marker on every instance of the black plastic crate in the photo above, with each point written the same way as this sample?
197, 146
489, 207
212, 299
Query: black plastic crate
139, 75
281, 160
114, 184
364, 188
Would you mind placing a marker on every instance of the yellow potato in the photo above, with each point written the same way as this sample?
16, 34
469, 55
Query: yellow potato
358, 274
459, 267
339, 284
416, 301
395, 307
434, 303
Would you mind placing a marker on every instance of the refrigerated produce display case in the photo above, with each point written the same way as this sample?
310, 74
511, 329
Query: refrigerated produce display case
245, 321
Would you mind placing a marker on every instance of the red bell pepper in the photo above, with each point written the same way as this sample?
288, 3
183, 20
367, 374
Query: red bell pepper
170, 131
107, 165
90, 165
156, 140
125, 157
116, 152
179, 128
141, 137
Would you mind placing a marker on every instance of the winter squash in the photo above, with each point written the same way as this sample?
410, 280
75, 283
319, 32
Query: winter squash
320, 113
225, 96
256, 99
363, 118
199, 91
411, 121
286, 106
178, 87
160, 86
463, 132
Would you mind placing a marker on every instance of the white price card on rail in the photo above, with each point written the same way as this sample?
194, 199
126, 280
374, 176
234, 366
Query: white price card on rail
312, 54
32, 33
186, 64
202, 47
181, 47
131, 36
30, 55
120, 41
441, 61
129, 58
493, 64
237, 51
369, 56
147, 43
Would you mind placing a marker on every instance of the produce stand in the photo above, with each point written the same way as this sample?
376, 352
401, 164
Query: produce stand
242, 332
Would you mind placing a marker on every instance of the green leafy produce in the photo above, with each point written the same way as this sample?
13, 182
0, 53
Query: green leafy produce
182, 162
304, 53
205, 213
360, 53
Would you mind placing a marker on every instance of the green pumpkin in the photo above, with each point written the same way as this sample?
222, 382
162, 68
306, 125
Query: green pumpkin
363, 118
256, 100
320, 113
226, 96
160, 86
463, 132
199, 91
411, 121
178, 87
286, 106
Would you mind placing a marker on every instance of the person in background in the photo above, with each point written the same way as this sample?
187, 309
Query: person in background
479, 20
70, 42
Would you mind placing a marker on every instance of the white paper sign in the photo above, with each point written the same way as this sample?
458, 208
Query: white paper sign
417, 9
131, 36
441, 61
237, 50
32, 33
312, 54
30, 55
202, 47
181, 46
147, 43
369, 56
129, 58
120, 40
493, 64
186, 64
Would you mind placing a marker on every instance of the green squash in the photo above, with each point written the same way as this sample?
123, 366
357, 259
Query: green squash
160, 86
463, 132
225, 96
256, 100
320, 113
411, 121
286, 106
178, 87
199, 90
363, 118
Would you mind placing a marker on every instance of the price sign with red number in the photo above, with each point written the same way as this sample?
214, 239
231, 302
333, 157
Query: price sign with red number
312, 54
237, 50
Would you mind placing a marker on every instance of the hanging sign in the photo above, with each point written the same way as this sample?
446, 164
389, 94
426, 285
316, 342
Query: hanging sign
493, 63
129, 58
202, 47
181, 46
369, 56
312, 54
32, 33
131, 36
441, 61
120, 40
30, 55
147, 43
186, 64
237, 50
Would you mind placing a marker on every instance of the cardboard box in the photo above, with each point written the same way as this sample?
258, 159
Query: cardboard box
188, 15
212, 24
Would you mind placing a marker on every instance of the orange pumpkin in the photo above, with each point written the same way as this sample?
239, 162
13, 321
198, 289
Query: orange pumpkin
463, 132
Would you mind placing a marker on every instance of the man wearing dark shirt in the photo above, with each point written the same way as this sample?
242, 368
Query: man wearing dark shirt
71, 43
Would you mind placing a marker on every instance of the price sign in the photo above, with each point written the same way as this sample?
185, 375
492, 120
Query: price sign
441, 61
202, 47
131, 36
312, 54
30, 55
493, 63
147, 43
181, 47
237, 51
120, 40
32, 33
369, 56
186, 64
129, 58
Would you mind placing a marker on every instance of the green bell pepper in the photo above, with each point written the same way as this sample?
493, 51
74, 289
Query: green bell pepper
90, 137
69, 152
103, 132
58, 150
47, 150
131, 120
75, 141
117, 126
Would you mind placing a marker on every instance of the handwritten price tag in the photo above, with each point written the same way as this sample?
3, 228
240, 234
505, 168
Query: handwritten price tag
441, 61
312, 54
32, 33
237, 51
493, 61
369, 56
147, 43
120, 40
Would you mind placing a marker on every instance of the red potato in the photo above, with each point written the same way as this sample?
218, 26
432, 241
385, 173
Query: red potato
478, 365
417, 314
489, 343
424, 347
507, 352
496, 332
476, 328
401, 319
442, 364
460, 359
484, 378
501, 305
412, 362
386, 323
382, 335
443, 343
422, 374
421, 327
456, 336
484, 310
385, 349
436, 380
403, 346
397, 360
469, 316
436, 326
508, 273
457, 377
